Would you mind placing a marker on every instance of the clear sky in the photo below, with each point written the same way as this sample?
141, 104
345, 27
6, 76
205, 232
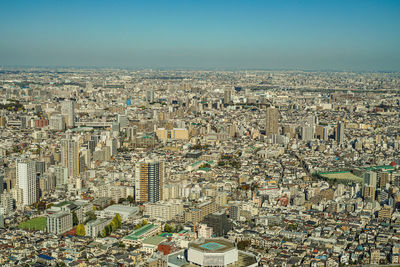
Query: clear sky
323, 34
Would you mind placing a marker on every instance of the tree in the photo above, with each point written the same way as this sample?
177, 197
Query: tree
75, 220
118, 218
130, 199
113, 225
242, 245
168, 228
144, 222
80, 230
107, 230
221, 163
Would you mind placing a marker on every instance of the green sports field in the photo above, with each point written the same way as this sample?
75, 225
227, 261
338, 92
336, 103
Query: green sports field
38, 223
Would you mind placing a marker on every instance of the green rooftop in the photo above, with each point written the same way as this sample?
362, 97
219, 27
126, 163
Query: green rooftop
154, 240
197, 163
137, 234
384, 167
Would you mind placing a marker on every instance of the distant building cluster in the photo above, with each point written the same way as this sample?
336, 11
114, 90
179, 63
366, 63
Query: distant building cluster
199, 168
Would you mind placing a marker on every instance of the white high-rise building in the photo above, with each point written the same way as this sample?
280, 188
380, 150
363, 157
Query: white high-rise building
26, 181
68, 110
150, 96
61, 175
57, 122
6, 202
307, 133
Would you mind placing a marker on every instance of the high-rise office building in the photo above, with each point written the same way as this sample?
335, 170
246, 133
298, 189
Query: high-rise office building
227, 96
272, 120
384, 179
70, 156
26, 181
149, 181
68, 110
57, 122
61, 176
369, 186
370, 178
234, 212
307, 133
219, 222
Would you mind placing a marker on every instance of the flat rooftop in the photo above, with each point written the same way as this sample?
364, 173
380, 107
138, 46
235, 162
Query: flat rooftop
178, 259
137, 234
244, 260
154, 240
212, 245
121, 209
63, 203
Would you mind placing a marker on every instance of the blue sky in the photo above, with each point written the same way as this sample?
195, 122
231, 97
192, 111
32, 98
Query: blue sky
337, 35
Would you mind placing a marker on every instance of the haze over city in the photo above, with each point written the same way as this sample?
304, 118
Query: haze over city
312, 35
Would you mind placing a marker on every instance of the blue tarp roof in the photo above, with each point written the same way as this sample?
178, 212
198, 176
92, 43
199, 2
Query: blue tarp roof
46, 257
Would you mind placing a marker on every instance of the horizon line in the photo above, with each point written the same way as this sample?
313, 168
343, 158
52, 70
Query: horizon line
172, 68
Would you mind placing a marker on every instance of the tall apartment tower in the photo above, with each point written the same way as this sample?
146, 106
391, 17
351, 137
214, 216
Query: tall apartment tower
272, 120
227, 96
70, 156
149, 179
150, 96
26, 181
339, 134
68, 110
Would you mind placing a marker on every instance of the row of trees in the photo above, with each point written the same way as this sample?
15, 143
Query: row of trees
114, 225
144, 222
111, 227
172, 229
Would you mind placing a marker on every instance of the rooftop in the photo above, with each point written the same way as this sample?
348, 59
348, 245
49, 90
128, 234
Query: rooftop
140, 232
121, 209
214, 245
154, 240
63, 203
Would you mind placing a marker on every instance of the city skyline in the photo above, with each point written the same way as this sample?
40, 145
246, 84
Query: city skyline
340, 35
